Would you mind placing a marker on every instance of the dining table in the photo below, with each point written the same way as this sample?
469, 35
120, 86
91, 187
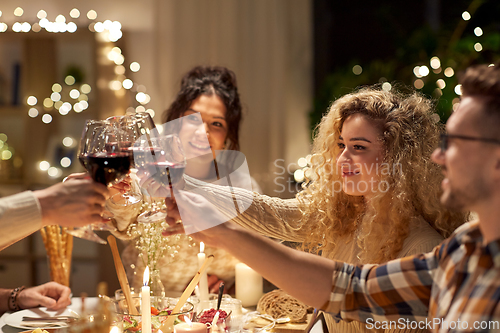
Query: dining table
92, 302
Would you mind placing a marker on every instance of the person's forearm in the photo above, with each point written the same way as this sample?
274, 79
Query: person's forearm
4, 299
20, 216
303, 275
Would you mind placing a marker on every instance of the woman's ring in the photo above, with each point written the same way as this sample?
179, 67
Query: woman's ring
178, 221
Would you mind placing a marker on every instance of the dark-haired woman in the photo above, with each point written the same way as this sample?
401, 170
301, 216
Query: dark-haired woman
209, 104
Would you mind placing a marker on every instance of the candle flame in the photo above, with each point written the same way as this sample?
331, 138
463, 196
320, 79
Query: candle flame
145, 278
114, 329
202, 247
187, 320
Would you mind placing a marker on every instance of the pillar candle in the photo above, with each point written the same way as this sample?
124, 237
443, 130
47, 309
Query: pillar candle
146, 303
249, 285
203, 284
190, 327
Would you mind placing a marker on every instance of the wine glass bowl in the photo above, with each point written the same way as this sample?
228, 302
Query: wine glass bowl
104, 153
161, 161
166, 162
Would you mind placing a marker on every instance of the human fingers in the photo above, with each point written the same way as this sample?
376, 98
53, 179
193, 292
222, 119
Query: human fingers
63, 301
123, 185
58, 292
33, 298
173, 230
101, 189
214, 288
170, 202
77, 175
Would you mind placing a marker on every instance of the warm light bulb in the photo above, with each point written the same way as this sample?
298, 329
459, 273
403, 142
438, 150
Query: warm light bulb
44, 165
302, 162
65, 162
33, 112
435, 62
32, 100
67, 141
298, 175
85, 88
92, 14
134, 67
127, 84
357, 69
74, 13
18, 11
41, 14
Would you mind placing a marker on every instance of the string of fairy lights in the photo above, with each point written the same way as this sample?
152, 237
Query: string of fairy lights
420, 73
69, 96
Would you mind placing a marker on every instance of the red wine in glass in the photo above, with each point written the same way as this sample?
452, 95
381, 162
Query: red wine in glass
107, 168
166, 173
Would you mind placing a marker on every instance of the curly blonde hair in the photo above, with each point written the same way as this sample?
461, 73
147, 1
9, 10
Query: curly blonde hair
410, 132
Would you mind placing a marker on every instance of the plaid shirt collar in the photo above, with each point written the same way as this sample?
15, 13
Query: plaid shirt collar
473, 236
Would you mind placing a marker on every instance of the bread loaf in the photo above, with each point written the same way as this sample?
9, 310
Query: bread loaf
278, 304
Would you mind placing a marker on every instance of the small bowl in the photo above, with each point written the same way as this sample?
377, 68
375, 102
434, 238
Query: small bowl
206, 317
130, 323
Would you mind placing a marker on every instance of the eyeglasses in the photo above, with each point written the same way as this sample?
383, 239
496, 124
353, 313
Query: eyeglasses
445, 138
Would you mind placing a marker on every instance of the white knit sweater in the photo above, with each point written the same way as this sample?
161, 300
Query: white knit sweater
20, 216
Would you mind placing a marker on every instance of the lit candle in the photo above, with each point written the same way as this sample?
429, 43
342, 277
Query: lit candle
249, 285
190, 327
203, 284
146, 303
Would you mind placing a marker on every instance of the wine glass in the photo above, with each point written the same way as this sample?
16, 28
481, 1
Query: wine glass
162, 160
128, 129
103, 152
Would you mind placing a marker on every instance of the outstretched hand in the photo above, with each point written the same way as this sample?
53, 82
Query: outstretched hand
199, 217
74, 203
51, 295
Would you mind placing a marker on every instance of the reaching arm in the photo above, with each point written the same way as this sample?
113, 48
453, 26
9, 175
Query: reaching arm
400, 288
52, 295
268, 216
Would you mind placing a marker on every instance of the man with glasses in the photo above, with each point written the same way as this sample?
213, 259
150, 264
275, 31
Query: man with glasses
454, 288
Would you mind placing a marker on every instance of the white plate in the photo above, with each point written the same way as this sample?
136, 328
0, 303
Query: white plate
16, 319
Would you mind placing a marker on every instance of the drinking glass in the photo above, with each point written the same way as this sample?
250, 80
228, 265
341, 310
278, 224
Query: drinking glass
161, 159
104, 153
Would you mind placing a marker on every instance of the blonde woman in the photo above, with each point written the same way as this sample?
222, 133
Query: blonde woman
375, 191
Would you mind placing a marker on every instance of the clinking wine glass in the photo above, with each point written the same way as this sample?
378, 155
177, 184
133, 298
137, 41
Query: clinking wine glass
104, 154
129, 131
162, 160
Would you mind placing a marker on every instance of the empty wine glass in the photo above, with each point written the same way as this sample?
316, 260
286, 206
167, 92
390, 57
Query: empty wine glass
161, 159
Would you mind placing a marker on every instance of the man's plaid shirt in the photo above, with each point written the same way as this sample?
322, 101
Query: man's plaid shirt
454, 288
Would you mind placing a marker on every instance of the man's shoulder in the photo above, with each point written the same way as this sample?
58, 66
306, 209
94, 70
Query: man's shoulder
467, 233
